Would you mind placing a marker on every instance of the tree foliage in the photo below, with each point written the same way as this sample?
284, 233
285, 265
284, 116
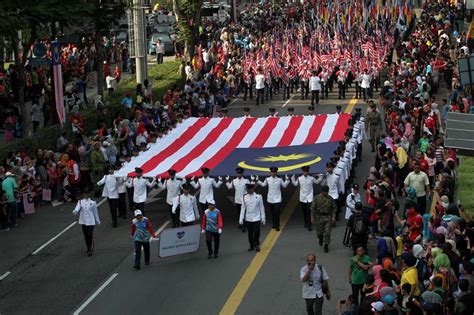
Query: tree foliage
188, 19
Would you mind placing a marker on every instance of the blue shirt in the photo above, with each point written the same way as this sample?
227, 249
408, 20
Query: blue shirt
212, 220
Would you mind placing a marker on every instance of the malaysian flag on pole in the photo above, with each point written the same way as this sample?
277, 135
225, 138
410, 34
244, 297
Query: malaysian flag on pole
58, 81
222, 144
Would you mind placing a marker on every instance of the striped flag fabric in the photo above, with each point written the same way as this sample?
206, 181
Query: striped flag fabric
206, 142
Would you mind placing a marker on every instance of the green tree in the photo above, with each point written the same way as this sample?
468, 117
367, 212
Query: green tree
188, 19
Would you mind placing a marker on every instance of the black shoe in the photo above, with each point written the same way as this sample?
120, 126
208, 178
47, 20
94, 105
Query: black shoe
326, 248
215, 255
89, 253
114, 225
250, 249
209, 256
147, 263
320, 241
136, 267
257, 248
277, 229
244, 230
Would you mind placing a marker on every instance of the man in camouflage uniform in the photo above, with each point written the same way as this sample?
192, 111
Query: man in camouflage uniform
373, 124
323, 213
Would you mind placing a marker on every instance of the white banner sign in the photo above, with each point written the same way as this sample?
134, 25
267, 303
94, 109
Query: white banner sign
179, 241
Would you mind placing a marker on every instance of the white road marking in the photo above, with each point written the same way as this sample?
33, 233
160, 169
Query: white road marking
289, 100
95, 294
54, 238
101, 202
6, 274
235, 100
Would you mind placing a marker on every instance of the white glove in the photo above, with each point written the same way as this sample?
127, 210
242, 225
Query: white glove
220, 231
159, 179
219, 178
286, 177
263, 222
227, 178
293, 177
241, 222
256, 178
203, 231
252, 178
192, 178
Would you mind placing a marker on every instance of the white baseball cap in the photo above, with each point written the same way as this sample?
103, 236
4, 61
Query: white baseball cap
137, 213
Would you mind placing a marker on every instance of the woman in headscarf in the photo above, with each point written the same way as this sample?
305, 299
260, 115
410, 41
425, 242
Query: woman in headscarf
410, 201
440, 259
387, 264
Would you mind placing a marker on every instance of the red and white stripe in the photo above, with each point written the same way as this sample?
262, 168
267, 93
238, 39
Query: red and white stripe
205, 142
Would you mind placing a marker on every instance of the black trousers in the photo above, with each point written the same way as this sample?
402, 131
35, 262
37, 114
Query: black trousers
139, 206
159, 58
260, 95
342, 90
275, 209
131, 204
314, 306
202, 207
253, 232
306, 208
324, 90
248, 91
113, 206
88, 231
356, 290
213, 236
174, 216
238, 206
421, 201
314, 96
138, 252
304, 89
122, 205
286, 92
358, 90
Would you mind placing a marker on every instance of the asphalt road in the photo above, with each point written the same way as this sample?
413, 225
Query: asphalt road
61, 279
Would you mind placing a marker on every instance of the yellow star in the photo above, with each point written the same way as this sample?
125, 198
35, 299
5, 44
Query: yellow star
285, 158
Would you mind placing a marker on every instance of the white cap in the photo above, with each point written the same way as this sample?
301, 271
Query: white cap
377, 306
211, 201
137, 212
8, 174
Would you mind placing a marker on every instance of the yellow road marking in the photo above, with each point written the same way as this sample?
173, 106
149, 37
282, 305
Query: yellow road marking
240, 290
238, 294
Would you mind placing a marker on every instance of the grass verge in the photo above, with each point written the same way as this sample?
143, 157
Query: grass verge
466, 183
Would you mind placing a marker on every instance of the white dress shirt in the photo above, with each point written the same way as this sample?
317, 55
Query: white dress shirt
140, 188
172, 187
206, 185
111, 186
88, 213
366, 79
188, 210
252, 208
274, 188
315, 83
122, 189
332, 181
259, 81
239, 186
306, 187
350, 203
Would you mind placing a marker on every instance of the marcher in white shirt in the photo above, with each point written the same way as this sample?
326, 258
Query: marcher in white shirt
252, 214
351, 201
260, 86
315, 86
331, 180
140, 186
172, 186
365, 84
238, 184
111, 185
188, 209
274, 199
88, 218
206, 184
313, 276
122, 191
306, 183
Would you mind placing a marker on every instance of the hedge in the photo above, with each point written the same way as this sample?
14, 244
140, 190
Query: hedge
164, 76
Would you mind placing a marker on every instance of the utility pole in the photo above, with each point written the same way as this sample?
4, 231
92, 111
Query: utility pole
140, 42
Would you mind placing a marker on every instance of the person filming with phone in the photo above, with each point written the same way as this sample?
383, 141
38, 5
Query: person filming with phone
315, 285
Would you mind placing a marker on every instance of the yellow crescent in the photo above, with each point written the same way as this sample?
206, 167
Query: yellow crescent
280, 169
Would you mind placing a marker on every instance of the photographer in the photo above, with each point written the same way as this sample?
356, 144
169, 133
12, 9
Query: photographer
315, 285
347, 306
